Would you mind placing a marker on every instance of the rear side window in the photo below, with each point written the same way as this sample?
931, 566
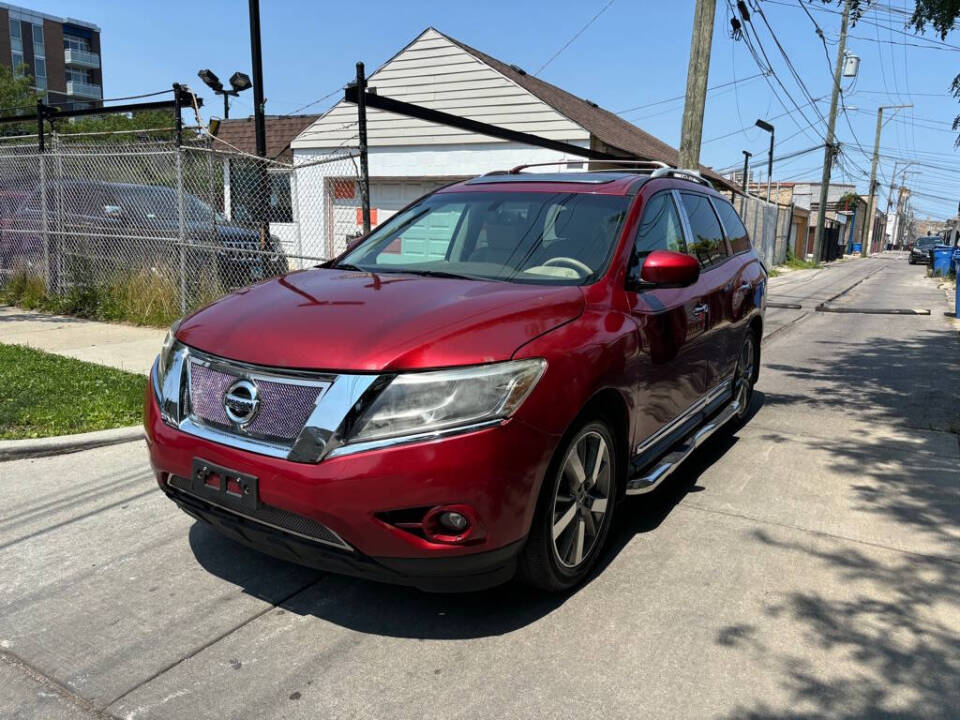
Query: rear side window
707, 244
733, 225
660, 227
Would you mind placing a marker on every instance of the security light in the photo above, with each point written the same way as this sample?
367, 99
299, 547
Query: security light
210, 80
764, 125
240, 81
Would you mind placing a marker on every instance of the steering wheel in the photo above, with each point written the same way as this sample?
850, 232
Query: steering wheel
569, 262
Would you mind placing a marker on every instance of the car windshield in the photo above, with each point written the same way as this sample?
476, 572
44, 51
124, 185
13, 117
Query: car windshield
532, 237
927, 241
155, 202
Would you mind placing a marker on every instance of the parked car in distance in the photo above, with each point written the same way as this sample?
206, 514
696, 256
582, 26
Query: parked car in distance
130, 224
920, 252
467, 393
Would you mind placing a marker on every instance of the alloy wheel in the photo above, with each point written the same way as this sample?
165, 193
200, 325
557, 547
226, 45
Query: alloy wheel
581, 499
743, 381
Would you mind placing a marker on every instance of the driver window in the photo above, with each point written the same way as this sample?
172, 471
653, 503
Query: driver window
659, 228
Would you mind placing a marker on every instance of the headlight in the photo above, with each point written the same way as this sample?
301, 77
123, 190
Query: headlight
415, 403
163, 360
166, 377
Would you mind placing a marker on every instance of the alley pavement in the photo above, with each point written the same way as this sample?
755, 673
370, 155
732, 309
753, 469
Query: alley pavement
803, 566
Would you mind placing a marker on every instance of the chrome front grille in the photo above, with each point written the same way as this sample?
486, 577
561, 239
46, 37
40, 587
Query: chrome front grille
285, 404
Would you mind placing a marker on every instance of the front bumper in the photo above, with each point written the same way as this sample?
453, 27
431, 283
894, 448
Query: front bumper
497, 471
923, 257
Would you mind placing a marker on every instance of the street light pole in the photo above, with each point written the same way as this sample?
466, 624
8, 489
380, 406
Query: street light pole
746, 169
871, 207
831, 125
764, 125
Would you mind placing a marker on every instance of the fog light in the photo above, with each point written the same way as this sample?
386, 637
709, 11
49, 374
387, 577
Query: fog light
453, 524
454, 521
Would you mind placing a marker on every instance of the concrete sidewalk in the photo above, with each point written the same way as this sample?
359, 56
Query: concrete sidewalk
121, 346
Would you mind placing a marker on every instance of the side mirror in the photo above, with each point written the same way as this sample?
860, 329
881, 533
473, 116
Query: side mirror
353, 242
667, 269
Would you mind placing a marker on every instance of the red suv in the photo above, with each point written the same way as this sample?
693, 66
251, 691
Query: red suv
467, 393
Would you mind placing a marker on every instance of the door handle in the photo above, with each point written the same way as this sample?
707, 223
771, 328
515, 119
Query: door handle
701, 309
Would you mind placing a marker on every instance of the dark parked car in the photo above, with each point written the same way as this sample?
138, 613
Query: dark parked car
920, 252
469, 391
122, 225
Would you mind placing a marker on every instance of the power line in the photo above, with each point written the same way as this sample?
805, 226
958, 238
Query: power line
575, 36
681, 97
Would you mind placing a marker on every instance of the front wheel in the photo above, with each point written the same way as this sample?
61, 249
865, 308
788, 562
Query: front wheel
574, 511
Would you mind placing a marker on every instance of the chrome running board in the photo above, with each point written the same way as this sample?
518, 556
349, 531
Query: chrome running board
663, 467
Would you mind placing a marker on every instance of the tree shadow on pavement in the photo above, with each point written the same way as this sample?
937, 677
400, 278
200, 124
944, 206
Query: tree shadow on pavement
396, 611
887, 620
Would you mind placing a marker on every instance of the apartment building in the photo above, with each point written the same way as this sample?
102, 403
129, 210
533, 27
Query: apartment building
62, 55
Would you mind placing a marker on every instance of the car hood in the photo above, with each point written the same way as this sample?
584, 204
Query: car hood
339, 320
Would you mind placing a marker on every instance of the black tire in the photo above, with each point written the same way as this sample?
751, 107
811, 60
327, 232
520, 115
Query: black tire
744, 377
541, 564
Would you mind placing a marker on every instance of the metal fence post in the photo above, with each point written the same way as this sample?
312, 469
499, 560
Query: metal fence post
181, 215
44, 219
181, 233
362, 133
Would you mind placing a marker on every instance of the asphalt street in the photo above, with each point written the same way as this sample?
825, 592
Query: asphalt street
805, 566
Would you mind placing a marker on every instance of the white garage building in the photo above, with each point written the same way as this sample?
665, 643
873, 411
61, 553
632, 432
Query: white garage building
409, 156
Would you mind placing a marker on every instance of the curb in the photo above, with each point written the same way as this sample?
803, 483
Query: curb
63, 444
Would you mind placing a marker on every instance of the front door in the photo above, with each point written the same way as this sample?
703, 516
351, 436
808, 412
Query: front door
670, 369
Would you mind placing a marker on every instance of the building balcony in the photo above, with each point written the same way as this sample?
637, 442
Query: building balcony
84, 90
81, 58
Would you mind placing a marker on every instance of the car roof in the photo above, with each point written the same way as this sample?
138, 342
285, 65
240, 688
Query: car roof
609, 182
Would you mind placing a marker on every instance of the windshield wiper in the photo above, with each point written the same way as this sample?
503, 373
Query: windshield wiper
434, 273
349, 266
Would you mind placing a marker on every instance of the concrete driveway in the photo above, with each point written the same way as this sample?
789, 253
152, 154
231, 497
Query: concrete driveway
805, 566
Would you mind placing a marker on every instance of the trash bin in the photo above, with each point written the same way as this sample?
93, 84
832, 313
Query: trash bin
857, 248
942, 259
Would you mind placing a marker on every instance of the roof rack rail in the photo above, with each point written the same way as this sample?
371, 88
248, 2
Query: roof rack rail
639, 164
681, 173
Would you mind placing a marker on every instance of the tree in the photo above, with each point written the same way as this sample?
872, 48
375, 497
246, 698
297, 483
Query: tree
17, 96
116, 127
942, 15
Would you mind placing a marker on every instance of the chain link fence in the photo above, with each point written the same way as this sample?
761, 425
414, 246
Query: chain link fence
163, 228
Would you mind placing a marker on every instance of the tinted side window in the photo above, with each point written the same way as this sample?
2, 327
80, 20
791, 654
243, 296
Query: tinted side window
660, 227
707, 244
733, 225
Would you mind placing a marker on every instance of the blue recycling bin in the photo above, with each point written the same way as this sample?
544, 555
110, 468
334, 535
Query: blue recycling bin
857, 248
942, 259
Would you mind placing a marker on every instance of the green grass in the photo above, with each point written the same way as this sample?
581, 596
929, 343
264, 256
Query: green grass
139, 297
797, 264
43, 395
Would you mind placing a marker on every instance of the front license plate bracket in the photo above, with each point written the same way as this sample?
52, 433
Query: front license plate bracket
230, 488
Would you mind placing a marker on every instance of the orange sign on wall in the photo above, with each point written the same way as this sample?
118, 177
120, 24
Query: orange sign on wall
373, 216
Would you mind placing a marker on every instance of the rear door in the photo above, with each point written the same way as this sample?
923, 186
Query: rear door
707, 244
670, 369
748, 285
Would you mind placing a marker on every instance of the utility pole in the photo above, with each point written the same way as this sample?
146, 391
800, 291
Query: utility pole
746, 169
691, 132
259, 125
865, 249
831, 125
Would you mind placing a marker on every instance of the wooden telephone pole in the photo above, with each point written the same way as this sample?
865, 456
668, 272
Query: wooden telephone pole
831, 125
691, 132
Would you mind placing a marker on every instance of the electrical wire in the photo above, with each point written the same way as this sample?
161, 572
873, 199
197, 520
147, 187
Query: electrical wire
575, 36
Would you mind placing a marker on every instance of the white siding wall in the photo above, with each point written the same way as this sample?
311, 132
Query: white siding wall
422, 167
434, 72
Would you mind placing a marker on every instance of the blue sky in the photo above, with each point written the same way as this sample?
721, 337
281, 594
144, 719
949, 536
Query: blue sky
634, 54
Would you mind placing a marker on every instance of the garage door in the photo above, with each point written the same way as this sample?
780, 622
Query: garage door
386, 198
